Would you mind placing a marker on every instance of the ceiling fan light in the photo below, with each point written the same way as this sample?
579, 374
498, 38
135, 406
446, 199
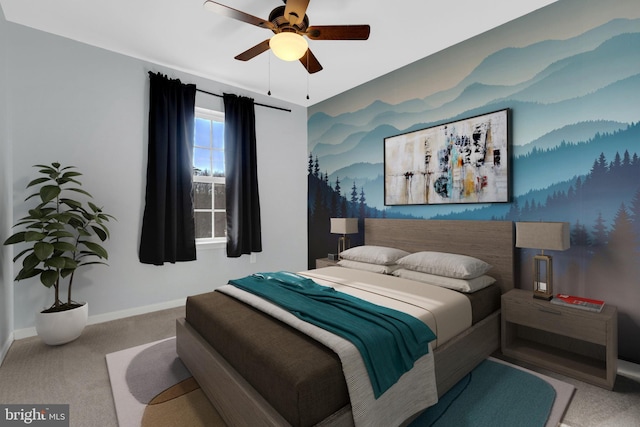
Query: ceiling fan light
288, 46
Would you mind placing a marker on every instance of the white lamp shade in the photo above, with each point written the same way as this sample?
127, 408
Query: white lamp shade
552, 236
288, 46
344, 225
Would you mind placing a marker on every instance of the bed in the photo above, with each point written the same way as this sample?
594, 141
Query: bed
212, 360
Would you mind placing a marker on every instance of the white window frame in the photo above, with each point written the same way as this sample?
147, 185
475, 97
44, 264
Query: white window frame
210, 242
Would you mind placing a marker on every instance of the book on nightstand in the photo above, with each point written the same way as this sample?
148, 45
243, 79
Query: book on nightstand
578, 302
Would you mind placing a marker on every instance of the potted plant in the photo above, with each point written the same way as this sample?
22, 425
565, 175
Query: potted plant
60, 235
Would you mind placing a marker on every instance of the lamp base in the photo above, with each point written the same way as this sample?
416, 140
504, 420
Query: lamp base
543, 277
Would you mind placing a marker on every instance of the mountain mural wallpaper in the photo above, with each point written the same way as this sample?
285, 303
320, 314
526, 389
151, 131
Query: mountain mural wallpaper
570, 76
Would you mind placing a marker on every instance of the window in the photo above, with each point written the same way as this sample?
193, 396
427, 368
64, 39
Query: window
208, 177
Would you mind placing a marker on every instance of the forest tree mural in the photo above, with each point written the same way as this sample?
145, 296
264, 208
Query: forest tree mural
575, 143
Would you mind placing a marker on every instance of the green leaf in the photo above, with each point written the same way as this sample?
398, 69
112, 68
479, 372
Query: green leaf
33, 236
17, 257
74, 215
37, 181
67, 179
49, 277
30, 262
83, 232
94, 263
16, 238
26, 273
29, 224
102, 235
70, 174
36, 213
96, 249
70, 263
64, 247
105, 217
31, 196
43, 250
61, 234
42, 212
79, 190
57, 262
47, 170
49, 192
54, 226
43, 166
71, 203
87, 216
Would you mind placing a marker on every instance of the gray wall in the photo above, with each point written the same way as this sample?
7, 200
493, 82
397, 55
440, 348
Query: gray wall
6, 285
88, 107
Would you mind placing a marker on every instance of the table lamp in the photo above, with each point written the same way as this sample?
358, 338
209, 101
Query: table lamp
544, 236
344, 226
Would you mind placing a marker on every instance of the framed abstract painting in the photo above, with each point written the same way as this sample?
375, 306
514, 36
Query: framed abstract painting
466, 161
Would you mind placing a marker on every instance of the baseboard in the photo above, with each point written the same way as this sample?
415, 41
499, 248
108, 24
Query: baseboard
114, 315
629, 370
5, 348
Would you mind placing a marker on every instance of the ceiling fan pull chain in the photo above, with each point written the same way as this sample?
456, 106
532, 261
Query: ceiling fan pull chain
269, 74
307, 74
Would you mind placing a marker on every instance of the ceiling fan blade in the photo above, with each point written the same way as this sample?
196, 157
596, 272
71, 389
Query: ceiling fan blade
338, 32
230, 12
310, 62
254, 51
295, 10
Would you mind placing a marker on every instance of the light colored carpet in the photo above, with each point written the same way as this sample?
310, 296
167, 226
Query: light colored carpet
151, 387
76, 374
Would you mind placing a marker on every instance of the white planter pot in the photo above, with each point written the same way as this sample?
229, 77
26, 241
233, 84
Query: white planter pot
62, 327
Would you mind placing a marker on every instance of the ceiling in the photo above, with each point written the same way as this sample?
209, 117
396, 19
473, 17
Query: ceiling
181, 34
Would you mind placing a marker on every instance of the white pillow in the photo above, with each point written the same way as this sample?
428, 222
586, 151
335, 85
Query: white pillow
373, 254
376, 268
461, 285
445, 264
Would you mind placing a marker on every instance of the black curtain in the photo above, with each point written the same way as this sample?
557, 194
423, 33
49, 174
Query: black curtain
168, 229
241, 177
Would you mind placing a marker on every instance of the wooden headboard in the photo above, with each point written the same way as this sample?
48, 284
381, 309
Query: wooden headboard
490, 241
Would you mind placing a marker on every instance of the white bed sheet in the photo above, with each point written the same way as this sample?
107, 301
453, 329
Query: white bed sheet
446, 312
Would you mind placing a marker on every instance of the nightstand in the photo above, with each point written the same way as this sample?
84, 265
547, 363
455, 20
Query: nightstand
326, 262
578, 343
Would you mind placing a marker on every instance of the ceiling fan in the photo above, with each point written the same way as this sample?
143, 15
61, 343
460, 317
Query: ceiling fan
290, 23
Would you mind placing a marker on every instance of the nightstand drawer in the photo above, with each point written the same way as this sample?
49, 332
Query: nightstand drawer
570, 322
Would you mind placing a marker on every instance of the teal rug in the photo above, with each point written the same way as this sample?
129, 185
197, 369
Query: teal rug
493, 395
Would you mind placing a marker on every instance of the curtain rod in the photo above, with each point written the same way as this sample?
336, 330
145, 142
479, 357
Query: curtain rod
256, 103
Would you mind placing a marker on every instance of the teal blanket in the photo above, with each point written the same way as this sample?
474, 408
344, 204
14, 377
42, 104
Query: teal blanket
388, 340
